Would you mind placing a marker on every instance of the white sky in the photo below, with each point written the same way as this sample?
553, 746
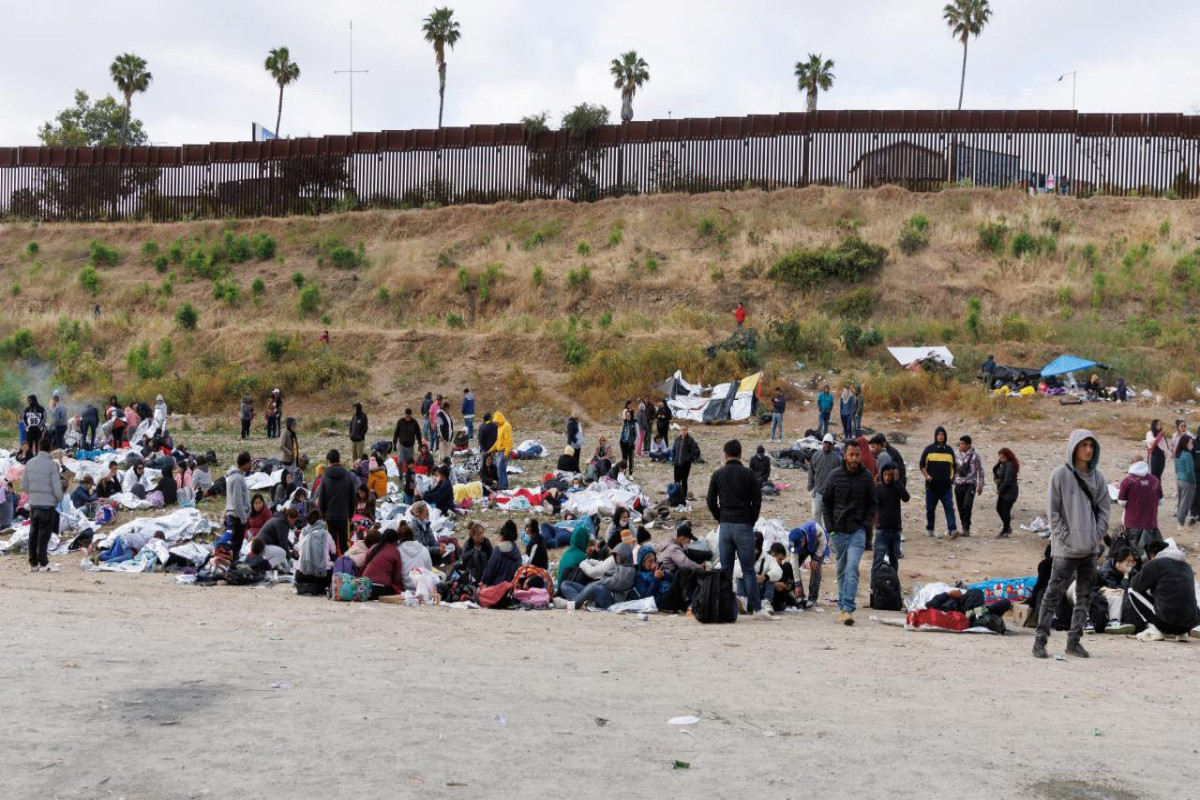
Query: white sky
516, 57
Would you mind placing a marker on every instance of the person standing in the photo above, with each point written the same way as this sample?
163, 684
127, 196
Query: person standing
406, 439
846, 412
502, 448
335, 499
89, 421
58, 417
937, 465
1139, 494
988, 372
1156, 448
778, 406
662, 420
858, 410
735, 499
431, 421
488, 432
1185, 479
237, 503
468, 414
889, 494
575, 435
358, 431
643, 422
1077, 511
274, 410
824, 409
43, 483
1005, 473
34, 418
245, 415
739, 316
883, 452
628, 439
968, 482
684, 453
289, 445
445, 430
822, 463
849, 506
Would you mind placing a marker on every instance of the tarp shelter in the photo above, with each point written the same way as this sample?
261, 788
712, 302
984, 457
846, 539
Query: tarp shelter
727, 401
907, 356
1066, 363
676, 385
1014, 374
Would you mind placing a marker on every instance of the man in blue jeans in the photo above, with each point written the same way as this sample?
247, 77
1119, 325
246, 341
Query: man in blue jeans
849, 506
734, 499
824, 409
937, 465
778, 406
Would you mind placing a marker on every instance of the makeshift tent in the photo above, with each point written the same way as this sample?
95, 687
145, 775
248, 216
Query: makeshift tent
675, 386
907, 356
727, 401
1008, 374
1066, 363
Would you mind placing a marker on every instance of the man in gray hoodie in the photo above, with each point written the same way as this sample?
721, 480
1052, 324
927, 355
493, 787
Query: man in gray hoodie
822, 463
43, 484
237, 503
1077, 510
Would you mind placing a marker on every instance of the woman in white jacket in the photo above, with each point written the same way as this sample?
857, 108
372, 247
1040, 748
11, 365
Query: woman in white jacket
160, 415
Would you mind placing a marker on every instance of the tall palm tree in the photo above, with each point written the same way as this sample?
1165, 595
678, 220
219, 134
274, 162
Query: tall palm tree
129, 73
279, 63
813, 76
441, 30
966, 18
630, 73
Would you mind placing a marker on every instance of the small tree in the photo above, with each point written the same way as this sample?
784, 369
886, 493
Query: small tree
186, 317
974, 311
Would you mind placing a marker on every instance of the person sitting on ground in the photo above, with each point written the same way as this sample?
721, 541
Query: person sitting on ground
1163, 595
275, 536
257, 560
377, 477
316, 550
260, 515
83, 498
202, 482
773, 574
575, 554
760, 465
441, 494
620, 522
110, 484
24, 453
601, 463
384, 565
423, 531
506, 557
618, 474
424, 460
614, 587
1113, 582
535, 547
650, 580
364, 503
488, 475
135, 481
659, 450
361, 546
414, 555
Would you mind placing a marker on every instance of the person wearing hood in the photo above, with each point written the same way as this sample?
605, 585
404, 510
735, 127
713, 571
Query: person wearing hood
358, 432
245, 415
1077, 512
414, 555
237, 503
1140, 494
614, 587
1163, 595
34, 417
289, 445
502, 448
314, 568
1185, 478
889, 494
808, 542
335, 499
937, 464
160, 414
1004, 473
850, 505
760, 465
651, 580
820, 465
968, 481
505, 559
988, 372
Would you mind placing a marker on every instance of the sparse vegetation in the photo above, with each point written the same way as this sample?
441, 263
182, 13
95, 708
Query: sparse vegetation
186, 317
993, 237
851, 261
101, 255
89, 279
579, 278
914, 236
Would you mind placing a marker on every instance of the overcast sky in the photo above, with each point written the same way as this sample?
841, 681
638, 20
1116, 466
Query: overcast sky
516, 57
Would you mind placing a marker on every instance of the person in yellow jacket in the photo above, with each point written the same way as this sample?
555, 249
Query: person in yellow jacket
502, 448
377, 481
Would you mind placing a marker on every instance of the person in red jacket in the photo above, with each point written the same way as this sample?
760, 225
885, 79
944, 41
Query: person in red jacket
382, 566
739, 315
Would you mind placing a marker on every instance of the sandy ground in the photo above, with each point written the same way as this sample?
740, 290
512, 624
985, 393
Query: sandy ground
132, 686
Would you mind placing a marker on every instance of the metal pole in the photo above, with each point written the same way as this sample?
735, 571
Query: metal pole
351, 72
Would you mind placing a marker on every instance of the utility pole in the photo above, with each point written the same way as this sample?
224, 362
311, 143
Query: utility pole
351, 72
1074, 75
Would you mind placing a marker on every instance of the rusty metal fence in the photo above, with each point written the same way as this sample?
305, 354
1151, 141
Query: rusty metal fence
1038, 151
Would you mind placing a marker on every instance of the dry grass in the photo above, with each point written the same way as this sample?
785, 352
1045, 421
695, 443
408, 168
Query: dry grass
1178, 387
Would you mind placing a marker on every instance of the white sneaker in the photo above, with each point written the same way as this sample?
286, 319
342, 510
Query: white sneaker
764, 613
1151, 634
560, 602
50, 568
742, 607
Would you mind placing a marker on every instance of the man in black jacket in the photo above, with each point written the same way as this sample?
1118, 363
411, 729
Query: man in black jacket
881, 447
407, 438
684, 453
488, 432
335, 499
937, 465
1164, 595
734, 500
849, 506
358, 432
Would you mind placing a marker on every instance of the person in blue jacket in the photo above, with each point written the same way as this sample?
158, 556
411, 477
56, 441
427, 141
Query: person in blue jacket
824, 409
468, 413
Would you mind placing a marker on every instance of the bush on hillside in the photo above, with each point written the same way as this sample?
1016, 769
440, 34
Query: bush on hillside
89, 279
851, 261
854, 304
993, 236
102, 255
808, 339
632, 372
914, 236
309, 301
186, 317
19, 345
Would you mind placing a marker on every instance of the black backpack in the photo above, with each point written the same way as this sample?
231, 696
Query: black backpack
885, 588
714, 601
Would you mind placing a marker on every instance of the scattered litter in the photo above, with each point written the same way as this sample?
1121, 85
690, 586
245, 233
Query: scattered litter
501, 720
280, 685
601, 722
458, 784
681, 764
686, 732
1095, 731
1059, 657
683, 720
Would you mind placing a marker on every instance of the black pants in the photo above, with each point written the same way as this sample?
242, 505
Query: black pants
339, 529
1004, 506
245, 429
272, 426
678, 597
238, 529
379, 590
1146, 614
60, 436
1158, 462
88, 435
682, 471
627, 457
964, 494
42, 523
34, 437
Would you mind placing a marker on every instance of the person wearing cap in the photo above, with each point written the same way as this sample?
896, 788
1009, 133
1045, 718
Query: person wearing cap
883, 451
849, 506
683, 571
58, 421
820, 465
735, 500
808, 542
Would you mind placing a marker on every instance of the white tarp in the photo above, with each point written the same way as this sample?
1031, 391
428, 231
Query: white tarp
176, 526
598, 499
910, 355
257, 481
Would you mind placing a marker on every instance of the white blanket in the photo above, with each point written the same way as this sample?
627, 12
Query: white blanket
597, 499
177, 526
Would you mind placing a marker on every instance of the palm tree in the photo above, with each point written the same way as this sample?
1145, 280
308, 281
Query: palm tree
441, 29
279, 63
966, 18
129, 74
814, 76
630, 73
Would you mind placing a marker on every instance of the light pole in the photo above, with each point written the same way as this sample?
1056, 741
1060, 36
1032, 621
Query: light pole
351, 72
1074, 75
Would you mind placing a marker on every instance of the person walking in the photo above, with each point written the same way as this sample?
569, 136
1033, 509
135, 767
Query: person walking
34, 417
1139, 494
1004, 474
358, 431
1077, 511
858, 410
1185, 479
822, 463
628, 439
44, 485
968, 482
237, 503
889, 494
335, 499
406, 439
849, 504
824, 409
882, 450
846, 412
58, 421
684, 453
467, 409
734, 499
778, 406
245, 415
937, 465
1156, 448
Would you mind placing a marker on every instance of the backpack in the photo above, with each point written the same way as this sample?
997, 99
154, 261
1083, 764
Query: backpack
345, 566
244, 575
714, 601
885, 588
348, 588
675, 495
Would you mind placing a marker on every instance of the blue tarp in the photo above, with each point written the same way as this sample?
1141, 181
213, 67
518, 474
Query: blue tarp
1064, 364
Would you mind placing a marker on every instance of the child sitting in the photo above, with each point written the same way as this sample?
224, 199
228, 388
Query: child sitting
659, 450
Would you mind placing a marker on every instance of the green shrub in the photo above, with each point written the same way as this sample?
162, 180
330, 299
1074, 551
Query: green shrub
1013, 327
539, 276
606, 319
15, 289
19, 345
974, 312
1023, 244
298, 280
258, 288
1185, 270
445, 259
140, 362
31, 250
855, 304
175, 251
583, 249
236, 248
89, 279
993, 236
808, 338
851, 261
1053, 224
707, 227
326, 319
202, 263
615, 236
102, 255
1164, 230
149, 249
858, 341
276, 346
1099, 287
1090, 255
383, 295
914, 235
167, 288
342, 256
227, 291
309, 300
186, 317
651, 265
454, 321
263, 246
574, 350
580, 278
160, 263
716, 275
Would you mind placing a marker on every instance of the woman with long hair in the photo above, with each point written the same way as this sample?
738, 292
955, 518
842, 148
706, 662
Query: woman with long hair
1185, 478
1004, 473
1156, 448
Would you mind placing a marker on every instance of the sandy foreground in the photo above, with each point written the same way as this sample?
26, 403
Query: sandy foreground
115, 685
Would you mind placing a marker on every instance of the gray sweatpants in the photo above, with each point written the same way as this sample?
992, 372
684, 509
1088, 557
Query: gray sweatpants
1062, 572
1187, 493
